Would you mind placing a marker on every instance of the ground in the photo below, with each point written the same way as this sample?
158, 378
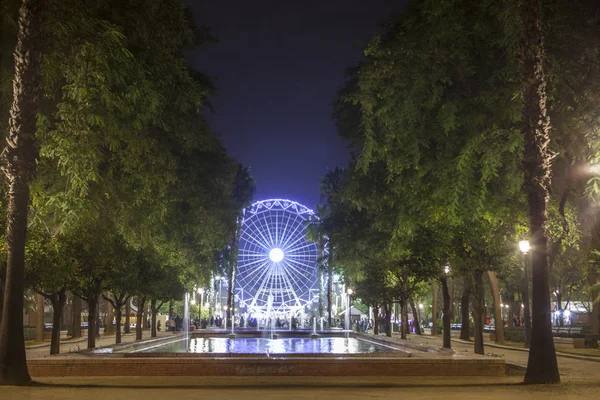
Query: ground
580, 380
313, 388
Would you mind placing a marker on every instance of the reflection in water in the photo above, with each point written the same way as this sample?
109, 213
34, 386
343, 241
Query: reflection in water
273, 346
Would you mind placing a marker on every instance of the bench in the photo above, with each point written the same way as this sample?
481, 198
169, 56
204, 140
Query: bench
567, 331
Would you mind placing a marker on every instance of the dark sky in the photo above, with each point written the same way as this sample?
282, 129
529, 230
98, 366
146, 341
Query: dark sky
279, 64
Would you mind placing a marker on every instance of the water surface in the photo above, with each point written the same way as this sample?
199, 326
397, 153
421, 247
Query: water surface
273, 346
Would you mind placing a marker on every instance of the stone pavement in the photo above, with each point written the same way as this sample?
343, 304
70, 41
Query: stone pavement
570, 367
68, 346
312, 388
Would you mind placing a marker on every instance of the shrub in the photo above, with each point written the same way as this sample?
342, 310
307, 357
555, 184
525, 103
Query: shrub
591, 341
29, 332
515, 334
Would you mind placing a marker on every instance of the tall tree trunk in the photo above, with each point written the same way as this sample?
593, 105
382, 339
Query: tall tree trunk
140, 316
58, 302
118, 315
465, 329
153, 323
76, 309
478, 312
321, 276
434, 291
403, 319
92, 301
329, 293
39, 320
109, 317
2, 282
127, 328
416, 318
171, 308
388, 320
20, 156
498, 321
228, 313
542, 366
447, 316
145, 324
593, 280
376, 320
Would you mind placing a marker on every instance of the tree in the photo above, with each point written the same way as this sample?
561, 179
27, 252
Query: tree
20, 155
49, 272
98, 253
542, 366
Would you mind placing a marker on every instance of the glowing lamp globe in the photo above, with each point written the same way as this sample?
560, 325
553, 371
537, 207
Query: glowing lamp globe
276, 254
524, 246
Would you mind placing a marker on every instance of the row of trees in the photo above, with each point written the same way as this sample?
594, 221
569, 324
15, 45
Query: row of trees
115, 185
449, 121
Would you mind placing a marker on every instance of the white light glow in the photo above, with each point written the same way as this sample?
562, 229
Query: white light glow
524, 246
276, 254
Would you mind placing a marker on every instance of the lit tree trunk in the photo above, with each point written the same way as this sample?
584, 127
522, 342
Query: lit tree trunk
92, 302
403, 319
39, 320
329, 292
118, 315
2, 281
376, 320
109, 318
478, 312
447, 313
388, 320
153, 316
140, 316
497, 307
434, 291
76, 308
465, 329
415, 317
127, 328
321, 276
228, 313
58, 302
593, 280
20, 156
542, 366
145, 324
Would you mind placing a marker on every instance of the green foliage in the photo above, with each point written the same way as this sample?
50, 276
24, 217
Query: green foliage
134, 193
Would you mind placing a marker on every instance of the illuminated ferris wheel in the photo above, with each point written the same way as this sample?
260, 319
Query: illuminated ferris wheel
277, 265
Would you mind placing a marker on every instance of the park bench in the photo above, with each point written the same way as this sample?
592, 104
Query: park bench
567, 331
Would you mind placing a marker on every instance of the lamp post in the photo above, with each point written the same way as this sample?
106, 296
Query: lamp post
524, 246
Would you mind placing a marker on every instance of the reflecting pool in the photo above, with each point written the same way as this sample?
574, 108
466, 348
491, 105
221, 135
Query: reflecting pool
332, 345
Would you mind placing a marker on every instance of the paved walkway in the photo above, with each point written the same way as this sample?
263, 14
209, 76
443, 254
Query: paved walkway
311, 388
570, 367
68, 346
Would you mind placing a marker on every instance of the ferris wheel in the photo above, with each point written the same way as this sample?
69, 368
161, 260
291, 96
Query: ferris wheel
277, 265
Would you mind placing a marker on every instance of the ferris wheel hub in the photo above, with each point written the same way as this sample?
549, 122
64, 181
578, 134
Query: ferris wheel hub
276, 254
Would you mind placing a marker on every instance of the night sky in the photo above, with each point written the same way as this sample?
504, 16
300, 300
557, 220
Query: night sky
278, 66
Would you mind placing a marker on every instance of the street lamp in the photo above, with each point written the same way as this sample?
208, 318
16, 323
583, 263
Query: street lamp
524, 246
